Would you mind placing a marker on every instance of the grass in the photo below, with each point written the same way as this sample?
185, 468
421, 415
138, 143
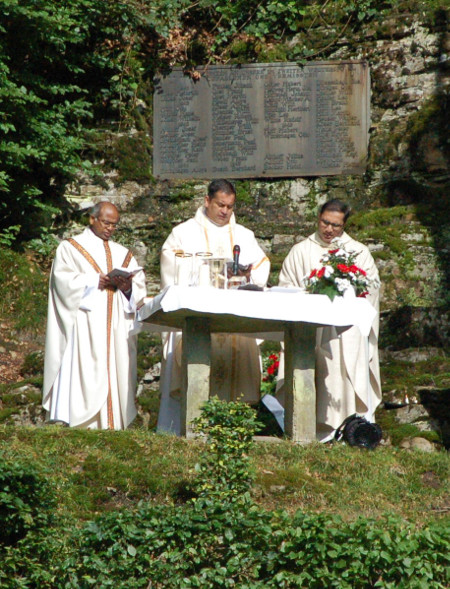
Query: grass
343, 480
95, 472
23, 291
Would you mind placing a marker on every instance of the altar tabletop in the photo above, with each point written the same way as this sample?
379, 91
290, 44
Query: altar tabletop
246, 311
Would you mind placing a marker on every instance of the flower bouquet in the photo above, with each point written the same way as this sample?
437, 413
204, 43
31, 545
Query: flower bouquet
337, 275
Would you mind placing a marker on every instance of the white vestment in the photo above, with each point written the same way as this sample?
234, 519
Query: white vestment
90, 358
235, 362
347, 366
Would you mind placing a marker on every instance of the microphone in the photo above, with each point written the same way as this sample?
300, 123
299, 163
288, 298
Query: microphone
236, 252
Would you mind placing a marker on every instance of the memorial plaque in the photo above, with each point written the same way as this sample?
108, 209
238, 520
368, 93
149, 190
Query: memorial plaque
262, 121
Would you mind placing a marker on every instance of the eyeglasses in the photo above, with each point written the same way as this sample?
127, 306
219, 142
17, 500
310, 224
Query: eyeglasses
333, 225
108, 224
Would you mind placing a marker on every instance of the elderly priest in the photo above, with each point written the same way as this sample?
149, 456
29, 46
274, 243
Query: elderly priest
90, 356
235, 362
347, 367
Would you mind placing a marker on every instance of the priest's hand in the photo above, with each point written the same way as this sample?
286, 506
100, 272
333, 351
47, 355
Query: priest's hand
247, 272
104, 282
123, 284
242, 271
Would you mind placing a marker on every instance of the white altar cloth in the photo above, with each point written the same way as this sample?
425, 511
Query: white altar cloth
273, 307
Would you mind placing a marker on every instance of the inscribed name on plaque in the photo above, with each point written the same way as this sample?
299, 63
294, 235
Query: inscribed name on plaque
262, 120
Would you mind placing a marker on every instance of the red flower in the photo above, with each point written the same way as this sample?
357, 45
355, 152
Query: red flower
363, 294
313, 273
354, 269
320, 273
273, 357
343, 268
361, 271
333, 251
273, 367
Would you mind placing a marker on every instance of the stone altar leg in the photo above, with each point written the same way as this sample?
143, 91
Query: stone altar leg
300, 391
196, 367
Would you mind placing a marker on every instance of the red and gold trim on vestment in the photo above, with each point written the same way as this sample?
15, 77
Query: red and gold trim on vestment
110, 300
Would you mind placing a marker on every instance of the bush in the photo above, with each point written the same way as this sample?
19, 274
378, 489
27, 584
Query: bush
321, 552
211, 545
202, 544
224, 471
27, 501
30, 543
31, 563
62, 65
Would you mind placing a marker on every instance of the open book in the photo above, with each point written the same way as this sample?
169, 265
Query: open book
124, 272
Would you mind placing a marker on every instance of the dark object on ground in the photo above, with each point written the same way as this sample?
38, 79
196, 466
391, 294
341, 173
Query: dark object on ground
357, 431
269, 425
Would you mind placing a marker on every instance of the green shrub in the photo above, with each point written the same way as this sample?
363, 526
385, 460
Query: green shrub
62, 65
31, 563
26, 501
224, 469
30, 542
202, 544
212, 545
321, 552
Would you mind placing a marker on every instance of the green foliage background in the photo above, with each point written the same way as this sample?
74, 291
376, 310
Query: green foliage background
63, 68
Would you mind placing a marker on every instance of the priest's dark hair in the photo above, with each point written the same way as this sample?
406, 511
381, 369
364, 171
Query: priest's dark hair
336, 205
220, 186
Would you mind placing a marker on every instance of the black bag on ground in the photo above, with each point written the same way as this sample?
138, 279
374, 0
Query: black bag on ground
357, 431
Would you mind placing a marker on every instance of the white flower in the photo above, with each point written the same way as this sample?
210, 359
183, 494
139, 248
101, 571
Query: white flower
339, 252
329, 270
342, 284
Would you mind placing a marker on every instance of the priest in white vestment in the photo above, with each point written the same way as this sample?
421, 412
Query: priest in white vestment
90, 356
235, 360
347, 365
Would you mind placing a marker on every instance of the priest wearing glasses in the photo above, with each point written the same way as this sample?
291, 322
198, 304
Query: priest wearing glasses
347, 366
90, 356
